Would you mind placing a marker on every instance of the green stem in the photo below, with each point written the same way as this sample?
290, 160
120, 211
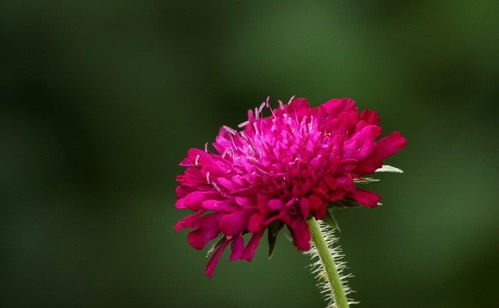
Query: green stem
328, 262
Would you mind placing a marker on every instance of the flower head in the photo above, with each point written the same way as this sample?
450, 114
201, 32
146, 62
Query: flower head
278, 170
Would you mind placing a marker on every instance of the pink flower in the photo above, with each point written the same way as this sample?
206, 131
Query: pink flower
279, 170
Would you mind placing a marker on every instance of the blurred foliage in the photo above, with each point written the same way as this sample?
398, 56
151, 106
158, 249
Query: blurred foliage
101, 100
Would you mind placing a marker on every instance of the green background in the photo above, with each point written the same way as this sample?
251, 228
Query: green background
100, 100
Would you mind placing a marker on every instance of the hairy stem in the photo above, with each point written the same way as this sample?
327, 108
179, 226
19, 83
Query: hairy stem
330, 267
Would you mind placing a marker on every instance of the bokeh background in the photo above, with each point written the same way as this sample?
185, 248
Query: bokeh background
100, 100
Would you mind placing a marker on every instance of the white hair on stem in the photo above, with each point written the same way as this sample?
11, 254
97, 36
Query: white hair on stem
318, 270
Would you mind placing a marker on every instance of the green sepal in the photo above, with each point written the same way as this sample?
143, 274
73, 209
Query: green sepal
329, 219
347, 203
273, 230
215, 246
388, 168
365, 180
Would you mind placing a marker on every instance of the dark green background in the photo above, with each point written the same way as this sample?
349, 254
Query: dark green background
101, 99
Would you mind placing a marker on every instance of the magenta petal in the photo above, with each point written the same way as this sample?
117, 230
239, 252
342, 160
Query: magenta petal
193, 200
317, 206
256, 222
344, 182
227, 184
212, 264
347, 121
371, 117
390, 145
187, 162
182, 191
298, 104
301, 234
222, 141
243, 202
304, 208
360, 145
192, 158
192, 177
250, 249
336, 106
190, 222
200, 237
275, 204
208, 230
337, 195
365, 197
218, 205
237, 248
383, 149
234, 224
321, 212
